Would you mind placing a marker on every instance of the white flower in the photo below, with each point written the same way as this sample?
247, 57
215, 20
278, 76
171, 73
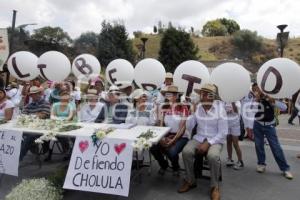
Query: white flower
39, 141
100, 134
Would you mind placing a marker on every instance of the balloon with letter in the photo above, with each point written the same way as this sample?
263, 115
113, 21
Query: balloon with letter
149, 74
233, 81
86, 67
23, 65
54, 66
279, 78
119, 72
190, 75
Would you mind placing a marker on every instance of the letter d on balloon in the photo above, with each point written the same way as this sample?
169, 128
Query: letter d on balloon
278, 84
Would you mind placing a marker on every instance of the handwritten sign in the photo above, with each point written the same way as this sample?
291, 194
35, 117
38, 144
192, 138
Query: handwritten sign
10, 143
104, 167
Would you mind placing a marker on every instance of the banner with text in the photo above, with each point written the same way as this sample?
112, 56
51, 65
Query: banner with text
102, 167
10, 144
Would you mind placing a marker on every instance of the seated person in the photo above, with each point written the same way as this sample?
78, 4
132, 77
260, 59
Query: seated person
212, 128
6, 106
114, 111
62, 110
38, 107
91, 108
141, 114
174, 115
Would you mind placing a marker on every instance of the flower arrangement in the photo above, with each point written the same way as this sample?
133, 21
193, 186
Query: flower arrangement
99, 134
51, 136
35, 189
143, 142
33, 122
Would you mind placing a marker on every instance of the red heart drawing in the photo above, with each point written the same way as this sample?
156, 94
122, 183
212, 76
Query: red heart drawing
119, 148
83, 145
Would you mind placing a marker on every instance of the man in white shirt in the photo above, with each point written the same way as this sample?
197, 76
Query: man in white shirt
210, 118
91, 109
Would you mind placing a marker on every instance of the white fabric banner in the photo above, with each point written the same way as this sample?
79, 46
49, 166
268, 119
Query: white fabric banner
104, 167
10, 145
4, 47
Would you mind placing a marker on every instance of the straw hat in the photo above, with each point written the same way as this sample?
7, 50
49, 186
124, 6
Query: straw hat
114, 90
138, 93
170, 89
169, 75
91, 93
210, 88
35, 89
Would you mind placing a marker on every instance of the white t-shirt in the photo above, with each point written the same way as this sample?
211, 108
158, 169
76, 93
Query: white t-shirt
47, 94
89, 115
15, 95
5, 105
75, 96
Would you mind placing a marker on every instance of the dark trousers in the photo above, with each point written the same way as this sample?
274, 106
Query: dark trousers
172, 153
293, 114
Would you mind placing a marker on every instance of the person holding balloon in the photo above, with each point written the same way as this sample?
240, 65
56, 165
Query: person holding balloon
173, 115
234, 131
264, 126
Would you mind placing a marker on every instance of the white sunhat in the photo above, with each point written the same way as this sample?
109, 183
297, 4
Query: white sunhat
114, 89
138, 93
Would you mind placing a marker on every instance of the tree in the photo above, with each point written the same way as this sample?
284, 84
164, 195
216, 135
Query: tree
214, 28
137, 34
86, 43
231, 25
220, 27
54, 35
176, 46
154, 29
114, 43
247, 41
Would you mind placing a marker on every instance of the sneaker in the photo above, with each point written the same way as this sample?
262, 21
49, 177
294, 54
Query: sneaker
238, 165
288, 175
261, 168
229, 162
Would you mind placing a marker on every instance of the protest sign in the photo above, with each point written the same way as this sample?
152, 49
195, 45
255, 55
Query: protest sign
102, 167
10, 144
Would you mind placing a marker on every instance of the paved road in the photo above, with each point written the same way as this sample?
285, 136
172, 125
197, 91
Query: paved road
237, 185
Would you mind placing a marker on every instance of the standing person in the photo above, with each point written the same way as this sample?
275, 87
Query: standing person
141, 114
6, 106
49, 90
75, 94
212, 127
264, 126
234, 131
295, 110
247, 113
297, 106
91, 108
173, 115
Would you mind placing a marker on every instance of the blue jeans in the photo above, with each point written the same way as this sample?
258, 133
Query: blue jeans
172, 153
260, 132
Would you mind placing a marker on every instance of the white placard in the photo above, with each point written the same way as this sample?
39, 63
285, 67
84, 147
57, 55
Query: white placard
10, 144
104, 167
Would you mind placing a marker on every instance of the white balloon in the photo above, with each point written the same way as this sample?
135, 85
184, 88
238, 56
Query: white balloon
23, 65
149, 74
279, 78
119, 72
54, 66
190, 75
86, 67
233, 81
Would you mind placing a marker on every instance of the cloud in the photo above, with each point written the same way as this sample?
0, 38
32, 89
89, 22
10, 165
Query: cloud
76, 16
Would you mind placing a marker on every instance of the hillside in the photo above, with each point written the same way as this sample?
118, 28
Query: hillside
220, 48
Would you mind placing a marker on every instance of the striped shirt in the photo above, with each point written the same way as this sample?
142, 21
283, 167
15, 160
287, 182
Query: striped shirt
37, 107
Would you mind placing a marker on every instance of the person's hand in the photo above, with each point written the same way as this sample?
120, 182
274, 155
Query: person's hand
203, 147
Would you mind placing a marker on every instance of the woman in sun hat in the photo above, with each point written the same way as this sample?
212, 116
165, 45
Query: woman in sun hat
91, 107
212, 128
141, 114
173, 115
6, 106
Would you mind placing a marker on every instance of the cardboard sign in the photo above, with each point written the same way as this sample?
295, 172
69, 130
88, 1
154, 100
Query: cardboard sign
10, 144
104, 167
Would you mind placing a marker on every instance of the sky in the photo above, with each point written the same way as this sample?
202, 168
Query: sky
79, 16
